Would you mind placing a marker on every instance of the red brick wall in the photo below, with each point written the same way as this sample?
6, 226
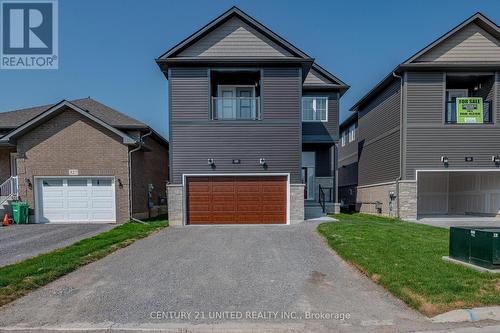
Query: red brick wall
148, 168
72, 141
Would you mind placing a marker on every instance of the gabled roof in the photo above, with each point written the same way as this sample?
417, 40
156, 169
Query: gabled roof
320, 78
56, 109
478, 18
13, 119
233, 12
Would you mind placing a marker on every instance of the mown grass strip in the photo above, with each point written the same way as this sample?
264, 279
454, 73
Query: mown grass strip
405, 258
17, 280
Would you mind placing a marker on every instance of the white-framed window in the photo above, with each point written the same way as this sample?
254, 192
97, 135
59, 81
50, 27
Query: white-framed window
343, 138
315, 109
352, 133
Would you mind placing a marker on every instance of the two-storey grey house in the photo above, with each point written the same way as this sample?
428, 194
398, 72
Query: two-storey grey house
253, 126
429, 132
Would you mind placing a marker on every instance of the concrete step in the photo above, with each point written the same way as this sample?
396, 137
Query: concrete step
312, 212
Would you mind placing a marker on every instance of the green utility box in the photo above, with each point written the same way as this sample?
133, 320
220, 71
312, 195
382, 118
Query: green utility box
20, 212
476, 245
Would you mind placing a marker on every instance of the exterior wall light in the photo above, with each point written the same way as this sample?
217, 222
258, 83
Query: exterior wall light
262, 161
211, 162
444, 160
495, 159
120, 184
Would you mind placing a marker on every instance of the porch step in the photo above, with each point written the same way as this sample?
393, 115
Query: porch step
313, 211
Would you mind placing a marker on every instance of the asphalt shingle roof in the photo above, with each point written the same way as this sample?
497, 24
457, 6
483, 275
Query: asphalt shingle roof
13, 119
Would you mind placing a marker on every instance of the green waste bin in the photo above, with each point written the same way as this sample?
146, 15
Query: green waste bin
20, 212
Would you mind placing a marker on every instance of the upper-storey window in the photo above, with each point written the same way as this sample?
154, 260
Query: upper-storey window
343, 138
469, 99
315, 109
235, 95
352, 133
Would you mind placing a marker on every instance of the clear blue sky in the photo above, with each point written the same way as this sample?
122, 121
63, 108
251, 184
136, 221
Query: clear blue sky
107, 47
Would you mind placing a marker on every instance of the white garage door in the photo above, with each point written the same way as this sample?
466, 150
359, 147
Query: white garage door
76, 200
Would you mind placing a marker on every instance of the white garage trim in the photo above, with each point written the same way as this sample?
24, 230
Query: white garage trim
38, 193
256, 174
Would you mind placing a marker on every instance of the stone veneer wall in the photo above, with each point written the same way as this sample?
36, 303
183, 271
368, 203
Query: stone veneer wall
368, 195
175, 207
296, 203
408, 200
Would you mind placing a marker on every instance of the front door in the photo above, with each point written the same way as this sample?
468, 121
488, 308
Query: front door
308, 173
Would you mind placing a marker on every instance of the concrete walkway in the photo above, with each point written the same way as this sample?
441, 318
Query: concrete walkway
460, 221
18, 242
225, 278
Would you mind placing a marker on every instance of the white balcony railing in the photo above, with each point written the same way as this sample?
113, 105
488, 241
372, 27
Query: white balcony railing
235, 108
9, 189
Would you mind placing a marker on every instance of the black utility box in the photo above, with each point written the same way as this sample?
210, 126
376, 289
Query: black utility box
476, 245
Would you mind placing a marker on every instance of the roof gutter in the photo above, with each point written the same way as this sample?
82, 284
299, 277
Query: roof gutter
400, 141
130, 187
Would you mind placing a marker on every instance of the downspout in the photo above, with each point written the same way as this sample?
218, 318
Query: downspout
141, 138
400, 142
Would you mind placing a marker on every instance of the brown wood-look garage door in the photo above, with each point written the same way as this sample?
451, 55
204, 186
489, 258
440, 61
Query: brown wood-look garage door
236, 200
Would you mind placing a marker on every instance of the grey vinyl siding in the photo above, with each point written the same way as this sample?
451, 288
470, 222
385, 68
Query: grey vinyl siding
379, 161
235, 38
350, 150
348, 174
276, 137
329, 128
425, 98
315, 78
379, 137
487, 91
471, 44
428, 138
189, 94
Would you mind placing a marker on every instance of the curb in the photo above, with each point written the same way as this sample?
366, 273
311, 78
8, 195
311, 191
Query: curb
469, 265
468, 315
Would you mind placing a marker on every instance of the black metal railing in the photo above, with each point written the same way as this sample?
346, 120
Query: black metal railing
451, 113
323, 198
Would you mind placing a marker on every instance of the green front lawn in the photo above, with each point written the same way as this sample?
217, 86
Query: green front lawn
18, 279
405, 258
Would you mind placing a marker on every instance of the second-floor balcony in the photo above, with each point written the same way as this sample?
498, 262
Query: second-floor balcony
235, 108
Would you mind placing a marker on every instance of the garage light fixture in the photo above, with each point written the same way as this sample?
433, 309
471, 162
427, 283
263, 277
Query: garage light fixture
444, 160
211, 162
262, 161
495, 159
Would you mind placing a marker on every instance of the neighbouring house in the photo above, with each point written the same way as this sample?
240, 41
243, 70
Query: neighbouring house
81, 161
253, 127
348, 163
429, 132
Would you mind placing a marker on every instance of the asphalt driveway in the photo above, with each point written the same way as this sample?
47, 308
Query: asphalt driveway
203, 278
18, 242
